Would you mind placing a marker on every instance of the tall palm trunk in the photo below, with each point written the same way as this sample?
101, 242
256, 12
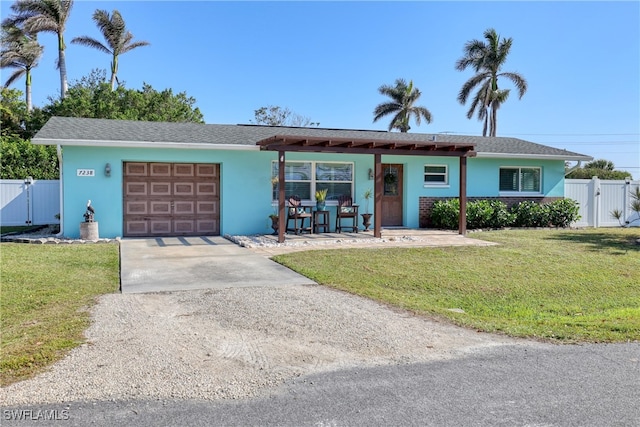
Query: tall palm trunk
27, 90
114, 71
62, 65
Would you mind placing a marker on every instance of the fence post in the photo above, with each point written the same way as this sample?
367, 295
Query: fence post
28, 183
625, 199
595, 182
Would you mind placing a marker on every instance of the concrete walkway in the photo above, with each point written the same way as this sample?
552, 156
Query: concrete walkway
184, 263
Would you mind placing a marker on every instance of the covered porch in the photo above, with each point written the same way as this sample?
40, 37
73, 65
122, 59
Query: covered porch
391, 144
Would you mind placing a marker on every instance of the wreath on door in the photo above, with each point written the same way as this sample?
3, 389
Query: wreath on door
390, 178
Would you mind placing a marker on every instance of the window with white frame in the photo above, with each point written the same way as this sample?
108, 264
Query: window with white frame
520, 180
305, 178
436, 175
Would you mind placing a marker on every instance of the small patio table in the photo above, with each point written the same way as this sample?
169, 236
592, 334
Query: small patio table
321, 221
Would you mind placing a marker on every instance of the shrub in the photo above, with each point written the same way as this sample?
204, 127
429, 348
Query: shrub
530, 214
444, 214
488, 214
479, 214
563, 212
495, 214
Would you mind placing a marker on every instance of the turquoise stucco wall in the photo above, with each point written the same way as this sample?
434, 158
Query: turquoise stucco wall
245, 183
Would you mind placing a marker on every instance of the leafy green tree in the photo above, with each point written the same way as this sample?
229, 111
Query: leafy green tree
50, 16
402, 105
21, 52
20, 159
273, 115
118, 39
603, 169
14, 119
92, 97
487, 60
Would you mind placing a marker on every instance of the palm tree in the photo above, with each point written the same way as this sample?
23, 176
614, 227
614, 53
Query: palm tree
49, 16
403, 98
487, 60
21, 52
115, 33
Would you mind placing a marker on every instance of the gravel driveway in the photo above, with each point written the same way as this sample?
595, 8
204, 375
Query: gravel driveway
234, 343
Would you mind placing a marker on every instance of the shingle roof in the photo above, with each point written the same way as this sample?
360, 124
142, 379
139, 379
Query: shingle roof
81, 131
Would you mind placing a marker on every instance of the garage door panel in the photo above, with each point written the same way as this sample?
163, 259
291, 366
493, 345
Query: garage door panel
160, 169
184, 208
207, 170
136, 188
136, 207
137, 228
160, 226
135, 169
184, 189
160, 189
208, 208
206, 189
182, 226
183, 170
160, 207
208, 227
171, 199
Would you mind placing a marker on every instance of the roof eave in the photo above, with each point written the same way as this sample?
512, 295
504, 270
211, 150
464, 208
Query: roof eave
573, 157
141, 144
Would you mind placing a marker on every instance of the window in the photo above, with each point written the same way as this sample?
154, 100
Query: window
435, 175
522, 180
305, 178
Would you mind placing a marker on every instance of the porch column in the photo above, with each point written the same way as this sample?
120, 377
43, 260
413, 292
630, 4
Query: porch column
462, 219
377, 202
281, 196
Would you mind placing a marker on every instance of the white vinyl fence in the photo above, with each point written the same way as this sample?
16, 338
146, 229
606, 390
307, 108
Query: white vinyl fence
25, 202
598, 198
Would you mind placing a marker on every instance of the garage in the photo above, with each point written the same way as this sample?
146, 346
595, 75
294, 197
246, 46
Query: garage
171, 199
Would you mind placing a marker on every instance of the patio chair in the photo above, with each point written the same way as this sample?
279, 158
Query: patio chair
296, 212
346, 210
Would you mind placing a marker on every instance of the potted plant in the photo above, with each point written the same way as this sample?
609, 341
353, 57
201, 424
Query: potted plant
274, 223
366, 217
321, 197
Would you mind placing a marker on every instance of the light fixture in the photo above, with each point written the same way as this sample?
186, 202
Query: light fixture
627, 180
28, 180
107, 169
370, 174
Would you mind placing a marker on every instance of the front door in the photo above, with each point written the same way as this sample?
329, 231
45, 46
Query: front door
392, 195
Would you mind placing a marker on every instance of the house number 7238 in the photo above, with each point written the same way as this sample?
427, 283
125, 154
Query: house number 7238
86, 172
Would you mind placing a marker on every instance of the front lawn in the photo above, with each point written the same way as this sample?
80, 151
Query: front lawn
561, 285
46, 293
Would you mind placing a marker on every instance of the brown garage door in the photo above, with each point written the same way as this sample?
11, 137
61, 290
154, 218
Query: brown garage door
171, 199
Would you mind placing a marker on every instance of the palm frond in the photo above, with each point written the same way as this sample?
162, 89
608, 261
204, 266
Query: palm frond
90, 42
15, 76
132, 46
519, 82
385, 109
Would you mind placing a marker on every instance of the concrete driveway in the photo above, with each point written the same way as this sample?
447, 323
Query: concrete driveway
166, 264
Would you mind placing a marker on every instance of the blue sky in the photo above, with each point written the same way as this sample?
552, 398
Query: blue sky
326, 60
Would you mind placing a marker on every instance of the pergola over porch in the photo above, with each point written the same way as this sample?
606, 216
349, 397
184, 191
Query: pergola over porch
373, 146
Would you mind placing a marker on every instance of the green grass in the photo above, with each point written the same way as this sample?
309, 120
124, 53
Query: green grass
46, 293
560, 285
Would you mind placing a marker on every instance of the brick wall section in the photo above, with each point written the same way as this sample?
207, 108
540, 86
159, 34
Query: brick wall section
426, 204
